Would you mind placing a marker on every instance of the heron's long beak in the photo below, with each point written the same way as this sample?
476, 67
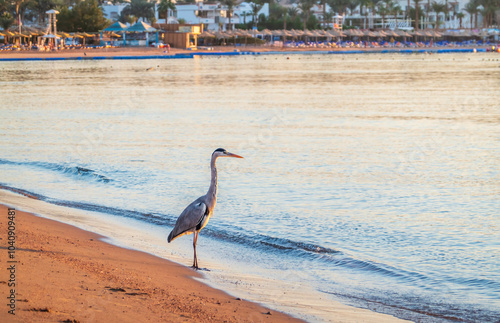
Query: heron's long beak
233, 155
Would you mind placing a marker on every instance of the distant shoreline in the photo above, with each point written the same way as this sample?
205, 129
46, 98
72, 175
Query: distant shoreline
154, 53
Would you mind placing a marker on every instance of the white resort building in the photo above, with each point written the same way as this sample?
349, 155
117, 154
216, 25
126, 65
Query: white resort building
215, 17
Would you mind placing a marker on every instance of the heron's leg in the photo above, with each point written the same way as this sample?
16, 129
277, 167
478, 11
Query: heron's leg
195, 240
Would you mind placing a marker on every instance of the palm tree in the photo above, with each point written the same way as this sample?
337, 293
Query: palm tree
17, 4
323, 5
139, 9
256, 7
230, 6
383, 10
365, 4
40, 7
328, 18
6, 20
350, 4
305, 6
460, 16
472, 9
417, 6
393, 8
245, 15
490, 8
438, 8
292, 12
373, 5
446, 11
164, 6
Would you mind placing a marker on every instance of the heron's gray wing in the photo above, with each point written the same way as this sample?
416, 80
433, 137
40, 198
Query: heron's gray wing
189, 219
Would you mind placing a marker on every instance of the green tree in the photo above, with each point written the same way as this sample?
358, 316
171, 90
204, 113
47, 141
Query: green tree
417, 9
230, 7
40, 7
256, 7
6, 20
383, 9
364, 5
460, 16
305, 6
164, 7
490, 12
394, 9
84, 16
4, 6
472, 9
323, 7
139, 9
438, 8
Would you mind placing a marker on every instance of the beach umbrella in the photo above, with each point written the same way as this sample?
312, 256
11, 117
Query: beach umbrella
266, 32
297, 33
383, 33
206, 34
392, 33
335, 33
20, 35
141, 26
221, 35
243, 33
403, 33
65, 35
369, 34
117, 26
437, 34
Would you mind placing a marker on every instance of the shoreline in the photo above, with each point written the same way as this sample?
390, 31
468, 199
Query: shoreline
65, 273
154, 53
52, 241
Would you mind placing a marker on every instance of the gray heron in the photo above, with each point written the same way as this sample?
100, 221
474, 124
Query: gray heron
196, 215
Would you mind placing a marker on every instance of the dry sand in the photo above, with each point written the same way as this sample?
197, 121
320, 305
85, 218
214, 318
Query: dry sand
65, 274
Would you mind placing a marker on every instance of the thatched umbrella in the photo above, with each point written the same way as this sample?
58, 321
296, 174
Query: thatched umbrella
392, 33
222, 35
246, 34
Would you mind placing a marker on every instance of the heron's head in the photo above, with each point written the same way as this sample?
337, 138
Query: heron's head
221, 152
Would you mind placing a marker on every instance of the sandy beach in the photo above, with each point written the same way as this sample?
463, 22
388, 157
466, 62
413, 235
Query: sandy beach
65, 274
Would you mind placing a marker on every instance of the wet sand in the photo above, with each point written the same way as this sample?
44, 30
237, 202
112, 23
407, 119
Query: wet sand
64, 274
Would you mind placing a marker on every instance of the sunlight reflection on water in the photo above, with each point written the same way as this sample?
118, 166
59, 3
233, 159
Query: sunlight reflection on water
390, 159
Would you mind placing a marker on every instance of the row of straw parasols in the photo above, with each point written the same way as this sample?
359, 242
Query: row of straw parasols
336, 33
27, 32
318, 33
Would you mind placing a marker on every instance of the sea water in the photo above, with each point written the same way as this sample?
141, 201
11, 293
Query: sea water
367, 179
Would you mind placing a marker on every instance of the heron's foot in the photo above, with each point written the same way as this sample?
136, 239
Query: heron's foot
198, 268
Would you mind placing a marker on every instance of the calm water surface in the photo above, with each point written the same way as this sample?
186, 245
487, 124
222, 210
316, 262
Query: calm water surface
370, 179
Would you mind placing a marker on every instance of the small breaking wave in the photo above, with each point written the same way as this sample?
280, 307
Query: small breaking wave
75, 171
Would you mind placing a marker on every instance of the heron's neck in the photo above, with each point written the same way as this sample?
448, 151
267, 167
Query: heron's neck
212, 191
